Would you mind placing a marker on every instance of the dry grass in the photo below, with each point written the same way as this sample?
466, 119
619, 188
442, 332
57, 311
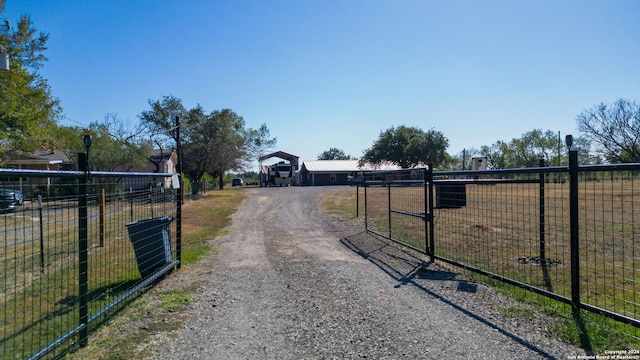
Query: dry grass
499, 231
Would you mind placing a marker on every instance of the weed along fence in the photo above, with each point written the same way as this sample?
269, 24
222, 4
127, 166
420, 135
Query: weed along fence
78, 248
571, 233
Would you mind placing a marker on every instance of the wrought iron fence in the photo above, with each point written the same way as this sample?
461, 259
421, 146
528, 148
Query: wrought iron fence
76, 249
569, 233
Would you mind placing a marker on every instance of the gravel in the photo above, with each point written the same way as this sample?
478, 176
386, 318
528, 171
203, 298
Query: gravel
290, 281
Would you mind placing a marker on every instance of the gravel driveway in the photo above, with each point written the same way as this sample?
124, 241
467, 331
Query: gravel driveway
292, 282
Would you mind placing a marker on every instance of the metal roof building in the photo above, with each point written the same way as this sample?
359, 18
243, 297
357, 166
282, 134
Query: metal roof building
335, 172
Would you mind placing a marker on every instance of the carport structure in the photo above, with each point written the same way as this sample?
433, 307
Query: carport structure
292, 159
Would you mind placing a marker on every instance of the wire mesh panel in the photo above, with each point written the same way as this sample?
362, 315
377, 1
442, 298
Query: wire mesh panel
610, 240
43, 297
396, 206
570, 234
377, 209
502, 229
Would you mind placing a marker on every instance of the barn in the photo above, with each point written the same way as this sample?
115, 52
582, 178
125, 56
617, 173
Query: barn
334, 172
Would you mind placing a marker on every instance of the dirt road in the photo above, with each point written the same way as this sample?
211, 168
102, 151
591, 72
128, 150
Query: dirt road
292, 282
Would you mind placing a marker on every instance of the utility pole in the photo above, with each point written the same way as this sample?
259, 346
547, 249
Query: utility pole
464, 159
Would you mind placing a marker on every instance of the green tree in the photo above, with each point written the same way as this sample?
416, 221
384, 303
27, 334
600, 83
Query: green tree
257, 141
229, 141
498, 155
408, 147
28, 111
114, 145
463, 160
614, 129
334, 154
160, 121
527, 150
211, 143
533, 146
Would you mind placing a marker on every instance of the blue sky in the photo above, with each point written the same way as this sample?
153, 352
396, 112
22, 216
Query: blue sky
335, 73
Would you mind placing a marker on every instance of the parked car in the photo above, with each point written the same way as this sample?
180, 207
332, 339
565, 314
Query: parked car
237, 182
7, 202
14, 196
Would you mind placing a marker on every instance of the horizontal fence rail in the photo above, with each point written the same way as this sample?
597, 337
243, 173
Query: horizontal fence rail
569, 233
76, 248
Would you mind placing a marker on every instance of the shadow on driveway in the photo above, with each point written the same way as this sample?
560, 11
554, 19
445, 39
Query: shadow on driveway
408, 269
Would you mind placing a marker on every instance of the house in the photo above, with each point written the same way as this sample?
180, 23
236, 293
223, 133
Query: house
160, 161
335, 172
39, 160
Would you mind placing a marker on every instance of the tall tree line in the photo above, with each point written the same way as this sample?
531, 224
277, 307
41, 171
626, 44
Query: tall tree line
212, 142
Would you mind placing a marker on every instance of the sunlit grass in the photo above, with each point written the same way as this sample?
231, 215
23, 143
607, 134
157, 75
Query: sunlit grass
203, 220
40, 300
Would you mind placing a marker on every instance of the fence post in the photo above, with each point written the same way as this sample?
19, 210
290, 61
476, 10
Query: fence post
179, 221
41, 234
180, 196
103, 224
575, 243
83, 278
389, 207
428, 213
364, 183
543, 252
357, 200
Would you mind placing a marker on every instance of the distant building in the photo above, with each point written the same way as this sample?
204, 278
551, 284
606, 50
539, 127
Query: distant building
335, 172
39, 160
160, 161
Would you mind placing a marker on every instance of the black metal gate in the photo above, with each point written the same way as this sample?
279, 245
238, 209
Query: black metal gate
399, 206
567, 233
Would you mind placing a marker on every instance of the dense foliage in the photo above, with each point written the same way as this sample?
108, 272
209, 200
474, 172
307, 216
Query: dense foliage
211, 143
334, 154
408, 147
28, 110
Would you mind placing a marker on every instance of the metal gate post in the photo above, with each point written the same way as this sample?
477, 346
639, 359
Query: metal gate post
575, 243
364, 182
357, 200
389, 207
179, 222
541, 206
180, 196
83, 266
428, 213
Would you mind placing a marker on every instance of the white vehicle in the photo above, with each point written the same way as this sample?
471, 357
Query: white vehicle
280, 174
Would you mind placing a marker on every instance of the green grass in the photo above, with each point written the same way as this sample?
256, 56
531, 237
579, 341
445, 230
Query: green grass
203, 220
39, 307
175, 300
591, 331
